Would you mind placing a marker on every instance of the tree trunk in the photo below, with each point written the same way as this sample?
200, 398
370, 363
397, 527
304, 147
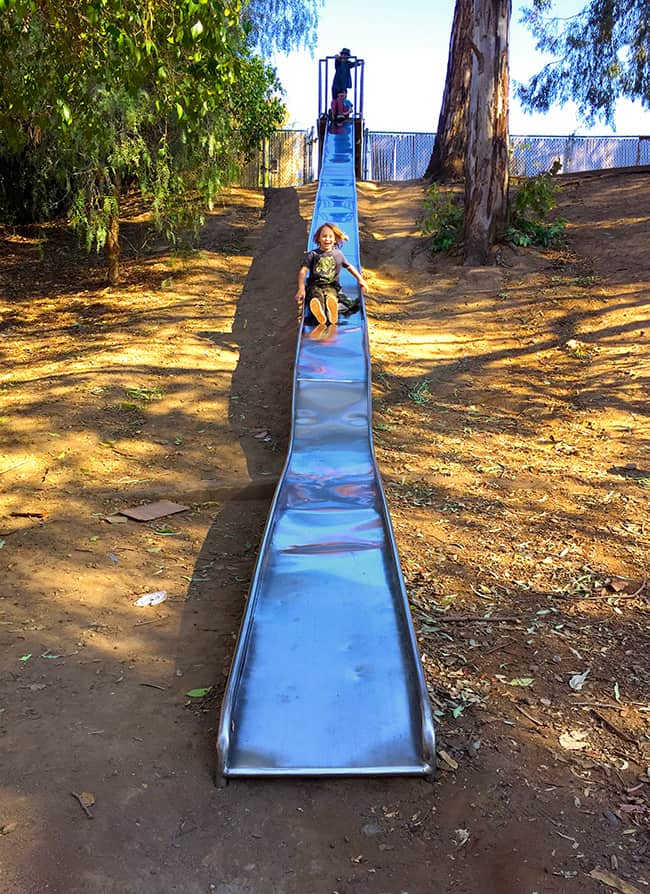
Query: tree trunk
486, 167
448, 157
113, 250
113, 235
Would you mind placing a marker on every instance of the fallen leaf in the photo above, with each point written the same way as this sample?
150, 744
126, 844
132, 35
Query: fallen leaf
574, 740
613, 881
86, 801
462, 837
152, 598
577, 681
199, 693
448, 759
521, 681
629, 587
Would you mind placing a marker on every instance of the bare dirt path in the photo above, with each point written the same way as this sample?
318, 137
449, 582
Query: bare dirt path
511, 427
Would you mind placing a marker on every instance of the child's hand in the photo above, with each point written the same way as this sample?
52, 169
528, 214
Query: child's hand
363, 284
300, 295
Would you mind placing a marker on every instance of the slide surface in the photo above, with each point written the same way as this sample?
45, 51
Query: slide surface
326, 678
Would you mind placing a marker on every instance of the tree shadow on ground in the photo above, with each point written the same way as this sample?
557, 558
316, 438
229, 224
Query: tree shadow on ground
264, 332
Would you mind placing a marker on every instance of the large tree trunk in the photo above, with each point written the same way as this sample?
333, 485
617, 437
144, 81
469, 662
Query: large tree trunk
448, 157
486, 167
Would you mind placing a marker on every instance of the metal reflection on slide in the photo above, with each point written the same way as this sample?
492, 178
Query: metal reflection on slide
326, 678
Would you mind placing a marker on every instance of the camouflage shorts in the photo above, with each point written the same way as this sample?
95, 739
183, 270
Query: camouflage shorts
321, 293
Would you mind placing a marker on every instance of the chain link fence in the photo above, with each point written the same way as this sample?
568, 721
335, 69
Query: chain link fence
288, 157
532, 155
285, 159
396, 156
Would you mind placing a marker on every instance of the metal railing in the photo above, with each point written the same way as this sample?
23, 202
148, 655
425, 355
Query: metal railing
326, 71
288, 157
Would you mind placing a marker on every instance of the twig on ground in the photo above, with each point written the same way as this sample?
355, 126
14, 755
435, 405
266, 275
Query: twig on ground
530, 716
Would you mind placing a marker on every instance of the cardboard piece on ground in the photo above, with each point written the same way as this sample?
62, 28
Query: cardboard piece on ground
150, 511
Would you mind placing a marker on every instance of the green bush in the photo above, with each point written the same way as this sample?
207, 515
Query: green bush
530, 206
535, 198
442, 219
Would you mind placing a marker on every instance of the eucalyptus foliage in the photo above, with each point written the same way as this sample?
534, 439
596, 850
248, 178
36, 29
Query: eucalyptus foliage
600, 55
281, 24
101, 94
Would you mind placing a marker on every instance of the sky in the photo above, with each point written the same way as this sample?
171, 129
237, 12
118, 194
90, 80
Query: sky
405, 46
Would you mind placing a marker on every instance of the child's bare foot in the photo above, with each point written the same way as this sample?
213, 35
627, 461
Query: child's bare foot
332, 309
316, 308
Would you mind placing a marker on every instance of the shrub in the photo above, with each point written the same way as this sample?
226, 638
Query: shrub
530, 206
535, 198
442, 219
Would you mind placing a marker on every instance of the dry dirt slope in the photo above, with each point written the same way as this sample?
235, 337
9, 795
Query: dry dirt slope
511, 428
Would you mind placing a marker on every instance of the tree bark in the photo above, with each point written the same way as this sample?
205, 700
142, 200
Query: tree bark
448, 157
486, 167
113, 236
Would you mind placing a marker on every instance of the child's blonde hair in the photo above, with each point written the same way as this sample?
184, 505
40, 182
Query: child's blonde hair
339, 236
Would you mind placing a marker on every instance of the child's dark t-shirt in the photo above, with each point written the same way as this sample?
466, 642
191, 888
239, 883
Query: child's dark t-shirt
324, 267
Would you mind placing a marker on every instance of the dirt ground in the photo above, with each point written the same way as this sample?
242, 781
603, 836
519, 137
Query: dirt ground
511, 429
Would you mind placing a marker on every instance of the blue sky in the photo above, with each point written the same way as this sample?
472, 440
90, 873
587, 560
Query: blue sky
405, 47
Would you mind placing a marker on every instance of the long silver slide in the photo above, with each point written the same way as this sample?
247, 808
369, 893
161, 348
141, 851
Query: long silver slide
326, 678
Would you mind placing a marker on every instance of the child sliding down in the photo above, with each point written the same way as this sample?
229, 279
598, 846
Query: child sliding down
318, 277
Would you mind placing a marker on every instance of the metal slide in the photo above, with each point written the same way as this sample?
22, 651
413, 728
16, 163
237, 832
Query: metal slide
326, 679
